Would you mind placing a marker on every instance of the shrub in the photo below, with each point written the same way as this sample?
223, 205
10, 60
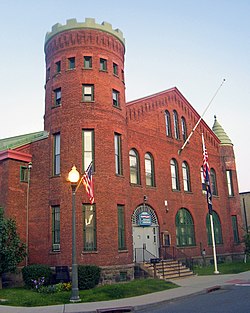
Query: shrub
35, 272
88, 276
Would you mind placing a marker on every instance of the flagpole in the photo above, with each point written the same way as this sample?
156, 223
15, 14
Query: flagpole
211, 218
196, 125
213, 242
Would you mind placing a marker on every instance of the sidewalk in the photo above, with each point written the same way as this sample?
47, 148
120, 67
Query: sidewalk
188, 286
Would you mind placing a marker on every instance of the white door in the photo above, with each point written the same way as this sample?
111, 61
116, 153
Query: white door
146, 242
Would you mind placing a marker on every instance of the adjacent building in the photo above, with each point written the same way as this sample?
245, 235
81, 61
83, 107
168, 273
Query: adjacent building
149, 197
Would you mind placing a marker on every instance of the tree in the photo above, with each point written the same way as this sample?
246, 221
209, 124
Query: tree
12, 250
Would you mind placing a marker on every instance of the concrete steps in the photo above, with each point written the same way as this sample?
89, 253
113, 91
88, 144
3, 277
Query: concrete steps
167, 269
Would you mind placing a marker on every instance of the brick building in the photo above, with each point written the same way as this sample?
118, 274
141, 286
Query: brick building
149, 199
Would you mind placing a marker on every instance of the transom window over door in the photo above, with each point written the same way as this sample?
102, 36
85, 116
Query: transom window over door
184, 223
134, 167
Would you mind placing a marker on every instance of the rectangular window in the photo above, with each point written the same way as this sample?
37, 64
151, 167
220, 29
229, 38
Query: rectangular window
118, 154
24, 174
89, 227
122, 75
229, 183
235, 229
87, 147
121, 227
56, 228
56, 157
116, 96
58, 67
71, 63
57, 96
115, 69
88, 93
87, 62
103, 65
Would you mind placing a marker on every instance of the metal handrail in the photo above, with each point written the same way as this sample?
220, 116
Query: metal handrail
175, 253
145, 255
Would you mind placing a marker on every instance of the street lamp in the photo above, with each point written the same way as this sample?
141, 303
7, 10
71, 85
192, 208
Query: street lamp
73, 177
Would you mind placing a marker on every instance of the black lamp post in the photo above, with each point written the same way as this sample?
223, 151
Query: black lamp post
73, 177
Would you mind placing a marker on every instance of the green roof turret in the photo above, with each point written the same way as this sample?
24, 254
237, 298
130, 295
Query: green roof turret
221, 134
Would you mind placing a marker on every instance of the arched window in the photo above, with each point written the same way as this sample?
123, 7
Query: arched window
186, 176
217, 229
183, 128
176, 125
149, 169
134, 167
213, 182
184, 228
168, 124
174, 175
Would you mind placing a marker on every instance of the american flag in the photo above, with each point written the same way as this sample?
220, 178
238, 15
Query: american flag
206, 174
88, 183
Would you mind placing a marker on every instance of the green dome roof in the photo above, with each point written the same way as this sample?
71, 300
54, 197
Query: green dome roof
220, 133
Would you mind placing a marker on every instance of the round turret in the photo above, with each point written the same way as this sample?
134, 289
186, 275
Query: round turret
85, 116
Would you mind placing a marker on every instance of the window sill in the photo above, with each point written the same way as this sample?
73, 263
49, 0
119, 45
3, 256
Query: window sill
56, 106
123, 251
55, 252
87, 68
89, 252
176, 190
56, 74
187, 247
115, 75
70, 69
87, 101
104, 71
188, 192
135, 185
119, 175
55, 176
117, 107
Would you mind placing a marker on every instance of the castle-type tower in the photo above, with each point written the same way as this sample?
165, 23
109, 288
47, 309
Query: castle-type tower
85, 118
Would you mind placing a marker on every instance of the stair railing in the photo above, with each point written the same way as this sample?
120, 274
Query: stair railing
143, 255
175, 253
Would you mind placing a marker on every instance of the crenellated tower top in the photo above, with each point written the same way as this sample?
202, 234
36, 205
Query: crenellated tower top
89, 23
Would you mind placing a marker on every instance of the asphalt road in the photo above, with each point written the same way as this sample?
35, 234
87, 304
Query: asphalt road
229, 299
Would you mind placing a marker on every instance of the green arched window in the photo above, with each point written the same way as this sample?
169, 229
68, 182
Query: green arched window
184, 228
217, 229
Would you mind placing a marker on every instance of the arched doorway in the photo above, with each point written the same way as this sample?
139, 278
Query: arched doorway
145, 233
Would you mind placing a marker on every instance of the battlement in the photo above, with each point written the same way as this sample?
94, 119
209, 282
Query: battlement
89, 24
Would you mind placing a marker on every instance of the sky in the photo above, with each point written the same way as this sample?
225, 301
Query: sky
189, 44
